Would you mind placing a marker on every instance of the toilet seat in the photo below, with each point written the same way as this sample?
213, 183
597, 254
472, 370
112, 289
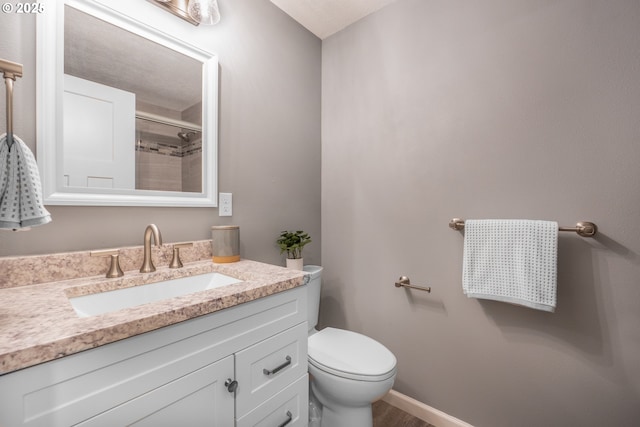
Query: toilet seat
350, 355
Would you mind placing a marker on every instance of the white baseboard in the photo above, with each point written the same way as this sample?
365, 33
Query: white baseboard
422, 411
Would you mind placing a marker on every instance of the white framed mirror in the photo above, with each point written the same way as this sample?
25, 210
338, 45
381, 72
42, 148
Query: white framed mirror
127, 114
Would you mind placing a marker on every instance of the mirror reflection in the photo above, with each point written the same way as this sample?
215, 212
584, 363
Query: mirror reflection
132, 110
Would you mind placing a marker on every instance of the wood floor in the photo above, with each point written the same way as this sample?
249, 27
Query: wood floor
385, 415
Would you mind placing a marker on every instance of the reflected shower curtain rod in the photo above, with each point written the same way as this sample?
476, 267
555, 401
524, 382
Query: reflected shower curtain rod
156, 118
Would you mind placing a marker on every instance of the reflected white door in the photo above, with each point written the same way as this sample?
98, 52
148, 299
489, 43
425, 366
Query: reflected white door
99, 135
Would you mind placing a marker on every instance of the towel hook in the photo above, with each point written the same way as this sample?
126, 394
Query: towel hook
11, 71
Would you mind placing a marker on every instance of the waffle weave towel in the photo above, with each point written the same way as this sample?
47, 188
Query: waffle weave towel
20, 188
512, 261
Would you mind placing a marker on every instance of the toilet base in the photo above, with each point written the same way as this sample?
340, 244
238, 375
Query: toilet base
347, 417
344, 413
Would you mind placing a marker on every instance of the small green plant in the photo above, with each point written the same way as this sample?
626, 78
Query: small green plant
292, 243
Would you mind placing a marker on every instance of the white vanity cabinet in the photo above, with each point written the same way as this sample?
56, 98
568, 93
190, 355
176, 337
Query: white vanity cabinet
179, 375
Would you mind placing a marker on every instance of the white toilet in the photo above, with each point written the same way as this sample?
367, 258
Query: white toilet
349, 371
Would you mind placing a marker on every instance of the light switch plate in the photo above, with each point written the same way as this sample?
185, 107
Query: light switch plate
225, 204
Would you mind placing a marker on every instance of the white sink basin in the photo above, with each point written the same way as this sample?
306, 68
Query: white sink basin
106, 302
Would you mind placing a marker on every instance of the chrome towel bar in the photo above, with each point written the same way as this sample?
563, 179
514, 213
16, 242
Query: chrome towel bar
583, 228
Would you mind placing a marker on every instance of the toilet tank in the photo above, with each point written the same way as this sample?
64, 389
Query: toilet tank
313, 294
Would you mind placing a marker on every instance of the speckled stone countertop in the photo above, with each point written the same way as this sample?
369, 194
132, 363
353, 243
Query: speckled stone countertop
38, 323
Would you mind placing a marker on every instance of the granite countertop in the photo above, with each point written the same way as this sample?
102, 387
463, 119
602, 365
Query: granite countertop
38, 323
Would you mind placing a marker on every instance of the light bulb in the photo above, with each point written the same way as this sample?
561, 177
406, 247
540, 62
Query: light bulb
204, 11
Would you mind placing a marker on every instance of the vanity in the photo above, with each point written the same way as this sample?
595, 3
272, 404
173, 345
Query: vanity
233, 355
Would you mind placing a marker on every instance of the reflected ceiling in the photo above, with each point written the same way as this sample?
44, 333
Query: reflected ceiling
100, 52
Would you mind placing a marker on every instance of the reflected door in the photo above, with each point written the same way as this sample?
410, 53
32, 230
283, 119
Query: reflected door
99, 135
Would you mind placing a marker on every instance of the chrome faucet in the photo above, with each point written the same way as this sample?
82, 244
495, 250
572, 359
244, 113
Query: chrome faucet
151, 231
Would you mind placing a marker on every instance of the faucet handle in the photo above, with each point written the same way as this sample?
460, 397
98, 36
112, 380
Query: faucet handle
175, 261
114, 267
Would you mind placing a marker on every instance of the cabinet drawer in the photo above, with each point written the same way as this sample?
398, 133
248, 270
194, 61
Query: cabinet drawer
267, 367
288, 408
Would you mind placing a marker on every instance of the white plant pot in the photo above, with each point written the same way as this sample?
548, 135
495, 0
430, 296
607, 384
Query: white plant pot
295, 264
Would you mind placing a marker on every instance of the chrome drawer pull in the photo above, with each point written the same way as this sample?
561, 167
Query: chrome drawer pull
279, 368
288, 420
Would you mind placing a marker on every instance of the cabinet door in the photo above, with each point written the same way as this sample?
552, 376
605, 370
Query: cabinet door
199, 399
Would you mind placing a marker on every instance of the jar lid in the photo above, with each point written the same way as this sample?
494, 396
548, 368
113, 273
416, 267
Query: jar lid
225, 227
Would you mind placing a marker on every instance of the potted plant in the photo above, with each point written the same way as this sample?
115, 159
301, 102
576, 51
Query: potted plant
292, 243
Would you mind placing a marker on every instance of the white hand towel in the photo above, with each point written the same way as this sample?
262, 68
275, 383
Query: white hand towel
513, 261
20, 188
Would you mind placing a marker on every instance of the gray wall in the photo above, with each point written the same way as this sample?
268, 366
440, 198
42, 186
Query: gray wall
269, 136
494, 109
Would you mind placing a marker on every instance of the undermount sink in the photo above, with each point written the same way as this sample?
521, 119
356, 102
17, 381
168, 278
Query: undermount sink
109, 301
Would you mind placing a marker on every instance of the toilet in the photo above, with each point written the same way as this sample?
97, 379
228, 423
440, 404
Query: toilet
348, 371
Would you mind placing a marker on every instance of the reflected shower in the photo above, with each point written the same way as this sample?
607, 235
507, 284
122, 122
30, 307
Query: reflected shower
186, 136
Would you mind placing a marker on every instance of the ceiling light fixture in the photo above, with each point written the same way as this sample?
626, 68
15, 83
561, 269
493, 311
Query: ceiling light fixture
205, 12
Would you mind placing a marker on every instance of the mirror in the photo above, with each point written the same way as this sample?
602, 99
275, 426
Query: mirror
127, 115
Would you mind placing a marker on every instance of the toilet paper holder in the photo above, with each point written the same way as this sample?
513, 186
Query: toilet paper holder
405, 282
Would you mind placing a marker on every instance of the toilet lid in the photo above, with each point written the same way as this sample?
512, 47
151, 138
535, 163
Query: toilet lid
349, 353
